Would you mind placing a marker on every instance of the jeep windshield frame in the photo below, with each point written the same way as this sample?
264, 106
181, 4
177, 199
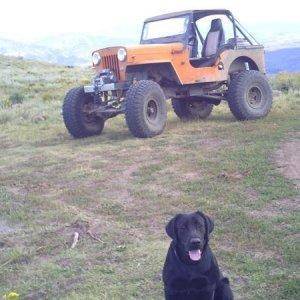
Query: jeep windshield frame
182, 37
191, 31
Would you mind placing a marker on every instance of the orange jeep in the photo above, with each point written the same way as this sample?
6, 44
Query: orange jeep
196, 58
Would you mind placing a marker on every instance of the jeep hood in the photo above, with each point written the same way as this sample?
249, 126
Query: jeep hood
154, 48
153, 52
145, 52
138, 55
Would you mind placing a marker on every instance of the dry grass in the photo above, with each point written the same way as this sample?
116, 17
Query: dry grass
123, 190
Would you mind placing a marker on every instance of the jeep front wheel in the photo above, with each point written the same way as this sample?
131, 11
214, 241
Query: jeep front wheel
78, 114
145, 109
187, 109
249, 95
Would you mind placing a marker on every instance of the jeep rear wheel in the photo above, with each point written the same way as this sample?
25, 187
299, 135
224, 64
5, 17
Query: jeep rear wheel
78, 115
187, 109
145, 109
249, 95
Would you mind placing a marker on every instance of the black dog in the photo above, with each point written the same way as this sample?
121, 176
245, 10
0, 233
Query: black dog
191, 271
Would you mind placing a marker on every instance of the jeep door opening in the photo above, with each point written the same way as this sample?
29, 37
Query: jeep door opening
196, 58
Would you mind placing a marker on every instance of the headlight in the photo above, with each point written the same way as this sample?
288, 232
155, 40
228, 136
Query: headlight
122, 54
96, 58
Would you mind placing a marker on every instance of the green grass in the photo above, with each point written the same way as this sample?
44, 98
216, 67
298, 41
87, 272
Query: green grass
124, 190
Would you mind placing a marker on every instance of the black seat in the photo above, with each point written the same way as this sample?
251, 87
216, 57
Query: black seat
214, 40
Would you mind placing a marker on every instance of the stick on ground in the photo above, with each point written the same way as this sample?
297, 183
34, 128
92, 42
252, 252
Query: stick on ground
75, 239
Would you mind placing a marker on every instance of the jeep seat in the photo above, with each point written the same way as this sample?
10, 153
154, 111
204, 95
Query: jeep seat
214, 40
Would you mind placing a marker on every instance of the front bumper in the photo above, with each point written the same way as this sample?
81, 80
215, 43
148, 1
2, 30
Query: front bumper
90, 89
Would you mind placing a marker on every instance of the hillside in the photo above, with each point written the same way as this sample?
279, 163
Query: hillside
75, 50
118, 192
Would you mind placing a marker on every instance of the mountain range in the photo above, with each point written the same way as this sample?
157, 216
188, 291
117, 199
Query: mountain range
282, 54
283, 60
64, 49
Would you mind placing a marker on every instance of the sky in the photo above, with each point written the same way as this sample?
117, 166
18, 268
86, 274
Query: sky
30, 19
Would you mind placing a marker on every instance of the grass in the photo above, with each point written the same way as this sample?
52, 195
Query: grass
123, 190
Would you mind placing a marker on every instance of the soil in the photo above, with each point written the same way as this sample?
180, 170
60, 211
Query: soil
287, 157
4, 228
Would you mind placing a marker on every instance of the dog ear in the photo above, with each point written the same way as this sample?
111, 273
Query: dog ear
210, 224
225, 280
171, 228
208, 220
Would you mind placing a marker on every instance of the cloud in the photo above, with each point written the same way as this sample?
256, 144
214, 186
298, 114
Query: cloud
31, 18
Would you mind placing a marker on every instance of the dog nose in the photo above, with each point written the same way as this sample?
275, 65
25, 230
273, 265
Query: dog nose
195, 241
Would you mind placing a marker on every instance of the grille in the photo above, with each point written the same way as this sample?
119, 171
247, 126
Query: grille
111, 62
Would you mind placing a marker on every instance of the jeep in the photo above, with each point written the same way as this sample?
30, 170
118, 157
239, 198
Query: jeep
196, 58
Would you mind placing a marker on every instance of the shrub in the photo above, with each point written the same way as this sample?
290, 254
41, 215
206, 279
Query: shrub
16, 98
286, 82
47, 97
5, 117
5, 103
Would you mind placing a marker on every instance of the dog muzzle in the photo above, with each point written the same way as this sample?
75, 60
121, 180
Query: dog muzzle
195, 255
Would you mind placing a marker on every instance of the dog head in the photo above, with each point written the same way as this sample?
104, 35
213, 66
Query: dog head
190, 233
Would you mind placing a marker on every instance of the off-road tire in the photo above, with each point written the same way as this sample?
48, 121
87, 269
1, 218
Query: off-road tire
249, 95
145, 109
75, 120
188, 110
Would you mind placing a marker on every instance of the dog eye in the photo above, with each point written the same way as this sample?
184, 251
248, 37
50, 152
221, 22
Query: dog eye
182, 228
197, 225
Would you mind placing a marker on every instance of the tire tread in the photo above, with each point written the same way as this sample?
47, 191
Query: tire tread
236, 92
134, 104
71, 114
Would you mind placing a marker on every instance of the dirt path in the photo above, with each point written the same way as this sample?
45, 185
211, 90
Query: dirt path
4, 228
288, 159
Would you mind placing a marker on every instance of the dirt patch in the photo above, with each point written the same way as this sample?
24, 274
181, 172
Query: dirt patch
277, 208
122, 183
5, 228
162, 190
230, 176
192, 176
288, 159
252, 194
226, 245
266, 255
213, 143
207, 144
